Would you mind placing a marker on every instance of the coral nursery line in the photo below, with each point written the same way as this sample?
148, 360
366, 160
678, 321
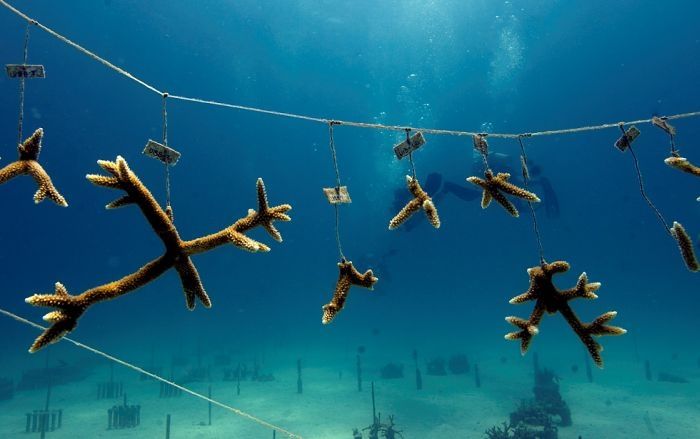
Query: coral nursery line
322, 120
121, 362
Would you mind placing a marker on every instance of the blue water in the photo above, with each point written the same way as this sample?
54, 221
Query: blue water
512, 66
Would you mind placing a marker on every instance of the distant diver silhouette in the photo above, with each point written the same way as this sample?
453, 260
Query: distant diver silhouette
379, 263
549, 197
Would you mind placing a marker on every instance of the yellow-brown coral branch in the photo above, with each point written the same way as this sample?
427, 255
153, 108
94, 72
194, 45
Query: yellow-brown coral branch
420, 200
347, 277
551, 300
685, 245
177, 252
682, 164
493, 186
28, 164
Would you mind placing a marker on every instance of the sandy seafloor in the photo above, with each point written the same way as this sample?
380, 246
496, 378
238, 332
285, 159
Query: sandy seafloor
613, 406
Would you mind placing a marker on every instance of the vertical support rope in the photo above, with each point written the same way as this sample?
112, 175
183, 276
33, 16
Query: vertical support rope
165, 142
526, 177
410, 154
334, 155
672, 140
22, 81
641, 185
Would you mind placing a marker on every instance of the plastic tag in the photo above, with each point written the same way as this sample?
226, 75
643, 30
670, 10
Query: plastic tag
409, 145
25, 71
626, 140
664, 125
161, 152
337, 195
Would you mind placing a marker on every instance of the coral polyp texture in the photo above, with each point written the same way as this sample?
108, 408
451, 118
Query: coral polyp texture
420, 200
347, 277
68, 309
495, 186
28, 164
685, 244
682, 164
552, 300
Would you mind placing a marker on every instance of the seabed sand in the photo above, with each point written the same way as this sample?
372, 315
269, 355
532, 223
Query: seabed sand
614, 406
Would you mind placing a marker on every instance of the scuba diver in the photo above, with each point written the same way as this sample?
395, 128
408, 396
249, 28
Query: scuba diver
549, 197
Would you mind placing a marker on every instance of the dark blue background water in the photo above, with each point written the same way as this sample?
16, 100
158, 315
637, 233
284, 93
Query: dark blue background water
478, 65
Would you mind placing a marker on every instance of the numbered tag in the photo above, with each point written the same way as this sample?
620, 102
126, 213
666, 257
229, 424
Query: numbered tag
664, 125
480, 144
409, 145
626, 139
161, 152
25, 71
337, 195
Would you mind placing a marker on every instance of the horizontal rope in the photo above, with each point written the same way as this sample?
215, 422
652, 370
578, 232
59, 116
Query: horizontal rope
324, 120
156, 377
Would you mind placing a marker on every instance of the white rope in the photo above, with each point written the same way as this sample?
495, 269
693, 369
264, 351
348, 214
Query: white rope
156, 377
324, 120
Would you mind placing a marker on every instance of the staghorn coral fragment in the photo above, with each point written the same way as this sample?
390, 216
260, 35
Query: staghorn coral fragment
177, 254
682, 164
685, 244
551, 300
420, 200
347, 277
28, 164
494, 186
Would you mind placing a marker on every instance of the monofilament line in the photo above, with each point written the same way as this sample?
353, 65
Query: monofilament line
325, 120
526, 178
165, 143
331, 144
156, 377
640, 179
22, 85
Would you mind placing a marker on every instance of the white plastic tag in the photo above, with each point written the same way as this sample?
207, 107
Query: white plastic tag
25, 71
626, 140
161, 152
408, 146
337, 195
664, 125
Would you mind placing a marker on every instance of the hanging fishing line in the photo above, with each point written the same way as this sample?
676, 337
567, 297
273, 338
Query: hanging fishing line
334, 155
526, 178
168, 207
156, 377
640, 179
22, 85
410, 154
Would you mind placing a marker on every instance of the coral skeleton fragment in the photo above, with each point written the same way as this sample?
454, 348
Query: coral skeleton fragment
682, 164
552, 300
28, 164
420, 200
347, 277
177, 252
685, 245
494, 186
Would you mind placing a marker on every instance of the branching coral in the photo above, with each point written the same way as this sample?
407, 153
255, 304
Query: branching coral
420, 200
551, 300
177, 252
347, 277
28, 164
685, 244
682, 164
494, 186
